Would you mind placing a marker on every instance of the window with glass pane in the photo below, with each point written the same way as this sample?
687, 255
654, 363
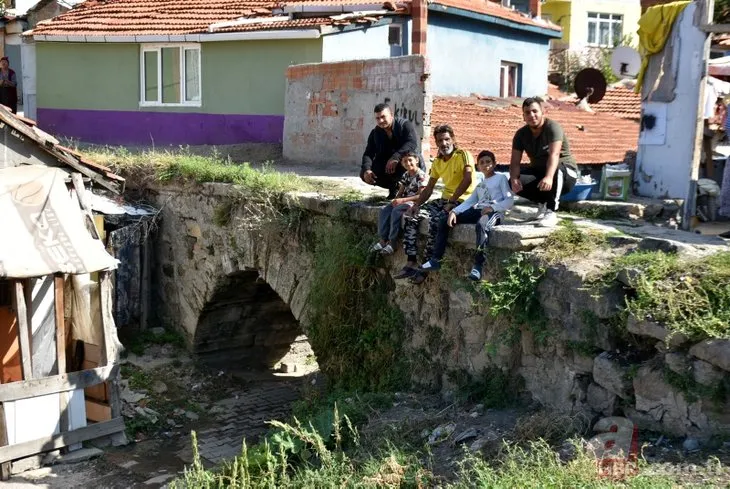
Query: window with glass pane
150, 89
605, 29
192, 75
170, 75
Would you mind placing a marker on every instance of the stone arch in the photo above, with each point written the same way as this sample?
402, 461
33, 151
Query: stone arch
245, 323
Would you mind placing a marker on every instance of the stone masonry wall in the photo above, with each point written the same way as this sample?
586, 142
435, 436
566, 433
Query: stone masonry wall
584, 365
329, 106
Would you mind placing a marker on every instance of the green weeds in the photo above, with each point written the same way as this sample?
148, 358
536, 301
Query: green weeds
569, 240
516, 295
691, 296
357, 334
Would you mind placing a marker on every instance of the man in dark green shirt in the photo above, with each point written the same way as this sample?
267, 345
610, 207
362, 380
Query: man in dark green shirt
552, 171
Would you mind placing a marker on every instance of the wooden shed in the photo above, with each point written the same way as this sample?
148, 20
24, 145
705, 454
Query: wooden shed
59, 370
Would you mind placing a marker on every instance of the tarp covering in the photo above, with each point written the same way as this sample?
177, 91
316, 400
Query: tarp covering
42, 229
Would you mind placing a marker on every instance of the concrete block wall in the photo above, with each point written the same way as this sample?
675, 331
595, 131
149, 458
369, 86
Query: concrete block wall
329, 106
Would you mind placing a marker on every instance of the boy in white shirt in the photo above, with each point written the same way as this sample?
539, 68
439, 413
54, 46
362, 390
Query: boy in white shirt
485, 207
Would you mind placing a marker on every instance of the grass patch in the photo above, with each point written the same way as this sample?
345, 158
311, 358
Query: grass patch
691, 296
569, 240
598, 212
356, 332
309, 460
182, 165
138, 342
515, 295
553, 428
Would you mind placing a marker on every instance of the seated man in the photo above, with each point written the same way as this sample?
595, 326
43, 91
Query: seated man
552, 171
388, 142
456, 168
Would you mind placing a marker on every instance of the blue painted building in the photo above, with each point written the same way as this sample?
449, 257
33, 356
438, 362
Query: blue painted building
478, 52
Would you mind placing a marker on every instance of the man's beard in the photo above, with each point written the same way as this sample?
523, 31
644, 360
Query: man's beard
448, 151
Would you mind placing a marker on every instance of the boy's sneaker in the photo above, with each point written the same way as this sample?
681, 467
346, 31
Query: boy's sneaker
430, 266
475, 275
549, 220
541, 211
406, 272
387, 250
376, 247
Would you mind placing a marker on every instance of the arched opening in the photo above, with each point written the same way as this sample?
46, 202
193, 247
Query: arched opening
247, 326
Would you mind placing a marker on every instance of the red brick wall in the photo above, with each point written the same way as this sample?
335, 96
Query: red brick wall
329, 106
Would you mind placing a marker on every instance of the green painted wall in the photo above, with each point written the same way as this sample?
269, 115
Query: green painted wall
238, 77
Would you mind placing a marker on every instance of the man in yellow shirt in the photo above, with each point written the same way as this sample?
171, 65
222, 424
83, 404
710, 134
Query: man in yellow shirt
455, 167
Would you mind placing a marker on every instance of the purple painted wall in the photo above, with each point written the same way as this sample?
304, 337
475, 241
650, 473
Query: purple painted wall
160, 128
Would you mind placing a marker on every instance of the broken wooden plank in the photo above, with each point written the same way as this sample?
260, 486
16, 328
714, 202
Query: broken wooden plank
98, 411
59, 440
5, 466
21, 311
58, 307
109, 353
56, 383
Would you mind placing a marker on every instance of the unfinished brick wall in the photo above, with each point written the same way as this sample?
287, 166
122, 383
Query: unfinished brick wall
329, 106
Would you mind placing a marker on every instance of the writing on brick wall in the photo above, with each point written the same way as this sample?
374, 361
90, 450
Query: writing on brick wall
404, 111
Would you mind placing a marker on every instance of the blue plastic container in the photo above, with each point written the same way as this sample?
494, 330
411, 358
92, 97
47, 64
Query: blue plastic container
580, 191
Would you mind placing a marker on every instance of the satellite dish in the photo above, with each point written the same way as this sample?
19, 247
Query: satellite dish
625, 62
590, 83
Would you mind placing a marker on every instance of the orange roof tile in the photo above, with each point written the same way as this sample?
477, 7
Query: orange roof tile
490, 123
619, 101
497, 10
171, 17
176, 17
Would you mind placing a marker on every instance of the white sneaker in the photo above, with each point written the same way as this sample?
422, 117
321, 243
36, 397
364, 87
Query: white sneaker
549, 220
376, 247
387, 250
541, 211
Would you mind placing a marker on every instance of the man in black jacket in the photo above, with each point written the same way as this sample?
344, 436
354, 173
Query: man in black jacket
388, 142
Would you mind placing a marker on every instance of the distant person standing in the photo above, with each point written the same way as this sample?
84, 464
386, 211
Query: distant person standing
8, 85
389, 141
552, 171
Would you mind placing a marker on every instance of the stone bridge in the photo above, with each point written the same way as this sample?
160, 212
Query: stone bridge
240, 298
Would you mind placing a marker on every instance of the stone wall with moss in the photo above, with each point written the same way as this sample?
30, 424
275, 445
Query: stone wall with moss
582, 319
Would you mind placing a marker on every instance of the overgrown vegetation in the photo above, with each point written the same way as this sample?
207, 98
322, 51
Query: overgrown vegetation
515, 295
691, 296
183, 165
693, 390
141, 340
568, 240
307, 459
356, 332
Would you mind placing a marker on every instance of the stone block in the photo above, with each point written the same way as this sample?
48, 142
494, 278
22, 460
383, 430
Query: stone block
677, 362
716, 352
666, 405
705, 374
601, 400
582, 364
611, 375
657, 331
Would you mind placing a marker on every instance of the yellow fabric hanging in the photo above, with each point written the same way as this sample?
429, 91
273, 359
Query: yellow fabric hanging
654, 28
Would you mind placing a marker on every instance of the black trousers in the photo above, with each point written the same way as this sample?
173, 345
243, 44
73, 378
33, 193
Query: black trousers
563, 182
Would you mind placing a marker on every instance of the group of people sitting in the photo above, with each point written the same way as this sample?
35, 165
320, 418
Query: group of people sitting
472, 193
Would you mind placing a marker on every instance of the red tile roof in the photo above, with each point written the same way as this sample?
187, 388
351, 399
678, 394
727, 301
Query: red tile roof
619, 101
176, 17
490, 123
180, 17
497, 10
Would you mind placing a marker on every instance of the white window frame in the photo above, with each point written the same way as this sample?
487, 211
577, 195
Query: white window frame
157, 48
612, 20
399, 27
504, 67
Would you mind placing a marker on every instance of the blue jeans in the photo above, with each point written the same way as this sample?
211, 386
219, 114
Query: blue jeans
389, 221
484, 224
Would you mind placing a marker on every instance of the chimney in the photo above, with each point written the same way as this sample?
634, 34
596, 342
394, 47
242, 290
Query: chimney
419, 14
536, 8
